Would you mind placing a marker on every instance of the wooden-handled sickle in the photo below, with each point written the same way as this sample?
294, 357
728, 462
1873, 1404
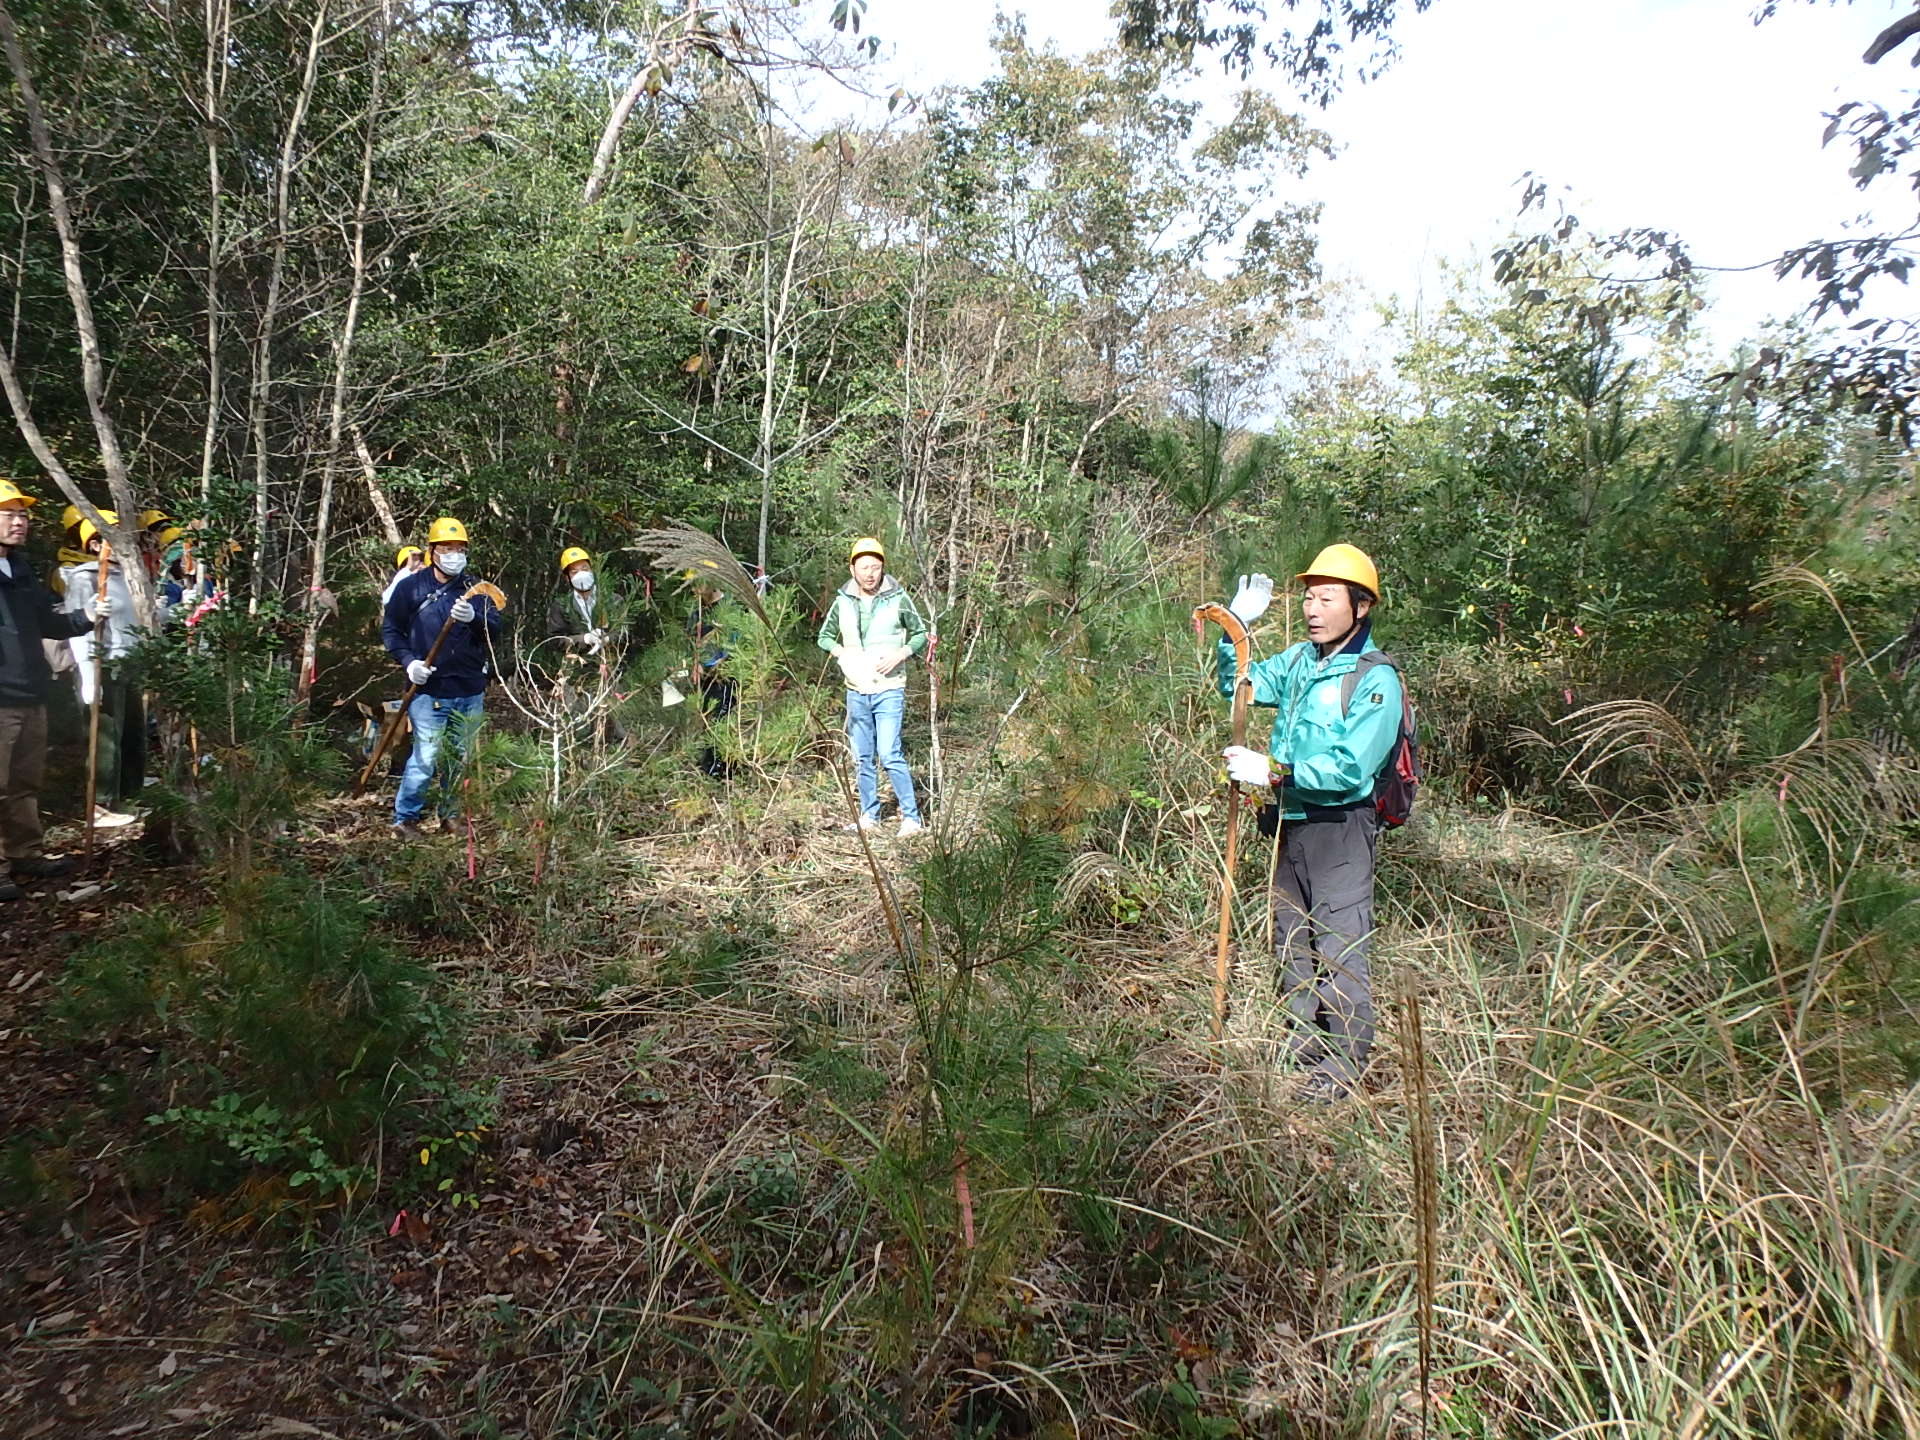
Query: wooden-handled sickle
499, 600
1242, 693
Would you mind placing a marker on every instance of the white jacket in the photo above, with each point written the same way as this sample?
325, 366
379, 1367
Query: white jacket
122, 632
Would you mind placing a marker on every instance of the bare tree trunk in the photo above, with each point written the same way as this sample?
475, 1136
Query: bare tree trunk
337, 414
262, 390
646, 79
382, 506
777, 337
910, 519
219, 15
1094, 429
770, 329
610, 137
92, 370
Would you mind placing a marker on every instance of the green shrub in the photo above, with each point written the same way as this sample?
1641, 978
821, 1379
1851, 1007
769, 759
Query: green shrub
254, 768
289, 1029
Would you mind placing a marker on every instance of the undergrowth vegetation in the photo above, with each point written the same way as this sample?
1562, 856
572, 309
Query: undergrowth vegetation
991, 1180
644, 1098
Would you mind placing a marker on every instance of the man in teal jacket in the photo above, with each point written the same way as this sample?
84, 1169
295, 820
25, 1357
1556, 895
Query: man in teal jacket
873, 628
1329, 742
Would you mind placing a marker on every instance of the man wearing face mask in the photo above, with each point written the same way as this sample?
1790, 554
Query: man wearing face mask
575, 614
577, 619
447, 711
1338, 723
28, 614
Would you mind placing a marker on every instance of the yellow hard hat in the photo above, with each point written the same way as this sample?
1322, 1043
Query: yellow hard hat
10, 492
400, 555
70, 518
572, 553
88, 529
169, 534
152, 518
1343, 562
446, 530
866, 545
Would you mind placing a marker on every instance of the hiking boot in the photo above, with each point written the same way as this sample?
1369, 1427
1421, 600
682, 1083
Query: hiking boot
449, 824
911, 828
8, 890
43, 867
408, 830
1318, 1087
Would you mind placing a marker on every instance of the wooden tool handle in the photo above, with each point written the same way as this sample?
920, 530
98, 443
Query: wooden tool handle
1237, 636
99, 658
484, 590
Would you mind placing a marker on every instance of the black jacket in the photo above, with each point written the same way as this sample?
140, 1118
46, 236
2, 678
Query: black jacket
29, 613
564, 620
413, 619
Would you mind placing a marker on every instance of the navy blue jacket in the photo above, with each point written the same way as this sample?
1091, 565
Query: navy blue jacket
29, 613
414, 615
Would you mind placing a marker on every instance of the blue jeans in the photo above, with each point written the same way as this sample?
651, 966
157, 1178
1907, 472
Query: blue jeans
873, 723
435, 724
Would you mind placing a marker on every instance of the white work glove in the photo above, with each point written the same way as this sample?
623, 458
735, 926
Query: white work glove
1253, 597
593, 640
418, 671
1248, 767
462, 610
99, 606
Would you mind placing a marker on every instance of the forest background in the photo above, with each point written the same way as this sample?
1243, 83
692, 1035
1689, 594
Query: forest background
307, 274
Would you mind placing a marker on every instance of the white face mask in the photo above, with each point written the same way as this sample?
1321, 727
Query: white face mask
582, 580
452, 562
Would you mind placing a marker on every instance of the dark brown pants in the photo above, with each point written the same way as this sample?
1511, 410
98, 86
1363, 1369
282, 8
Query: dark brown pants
23, 763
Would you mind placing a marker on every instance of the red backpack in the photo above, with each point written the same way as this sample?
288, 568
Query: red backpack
1398, 782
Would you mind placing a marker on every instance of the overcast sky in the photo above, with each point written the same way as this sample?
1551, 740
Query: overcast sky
1680, 114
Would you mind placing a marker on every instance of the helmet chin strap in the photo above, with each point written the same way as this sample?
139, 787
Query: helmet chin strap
1336, 646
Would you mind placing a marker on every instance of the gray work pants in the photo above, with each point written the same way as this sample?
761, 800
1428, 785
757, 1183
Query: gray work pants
1323, 924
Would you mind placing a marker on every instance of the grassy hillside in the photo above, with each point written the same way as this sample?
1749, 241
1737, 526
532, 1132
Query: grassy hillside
685, 1148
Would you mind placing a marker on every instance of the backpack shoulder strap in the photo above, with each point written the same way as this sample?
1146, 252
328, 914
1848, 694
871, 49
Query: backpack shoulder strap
1350, 682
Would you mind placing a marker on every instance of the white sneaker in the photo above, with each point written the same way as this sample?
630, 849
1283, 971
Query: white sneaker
863, 823
910, 828
105, 819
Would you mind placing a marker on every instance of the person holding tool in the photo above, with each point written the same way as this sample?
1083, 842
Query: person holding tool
1341, 706
29, 613
440, 611
577, 621
574, 614
123, 713
872, 628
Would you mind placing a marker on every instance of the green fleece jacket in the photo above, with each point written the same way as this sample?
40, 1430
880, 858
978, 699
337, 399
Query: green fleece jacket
1335, 754
866, 627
